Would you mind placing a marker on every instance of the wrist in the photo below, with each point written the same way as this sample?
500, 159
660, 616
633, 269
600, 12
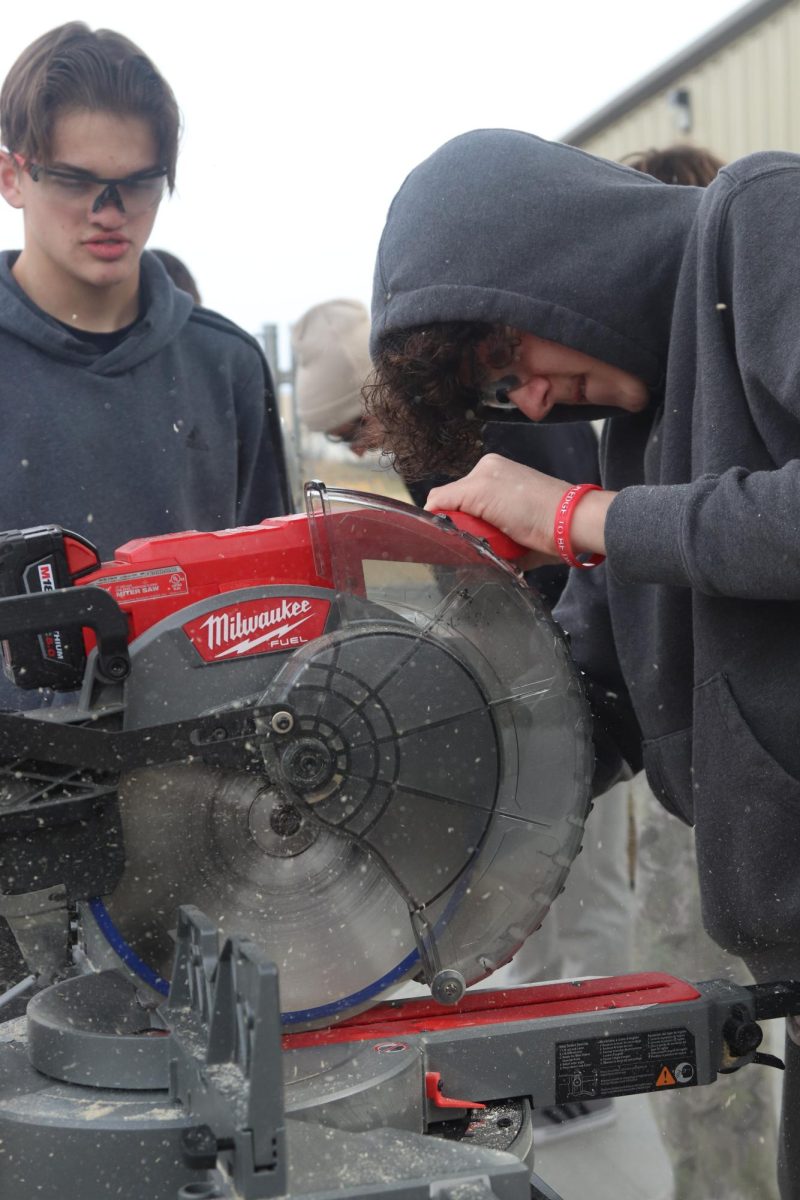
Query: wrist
584, 535
589, 523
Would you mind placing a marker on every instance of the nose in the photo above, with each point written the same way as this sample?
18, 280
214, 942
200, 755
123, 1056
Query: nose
533, 398
108, 202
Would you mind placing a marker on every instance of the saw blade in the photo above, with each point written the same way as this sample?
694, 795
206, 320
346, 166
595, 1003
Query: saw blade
228, 843
329, 852
418, 810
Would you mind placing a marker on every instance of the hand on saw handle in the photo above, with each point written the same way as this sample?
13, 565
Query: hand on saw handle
523, 504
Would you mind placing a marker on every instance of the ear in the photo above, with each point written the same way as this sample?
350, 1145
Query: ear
10, 182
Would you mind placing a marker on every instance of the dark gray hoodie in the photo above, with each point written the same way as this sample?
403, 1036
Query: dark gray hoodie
697, 611
175, 428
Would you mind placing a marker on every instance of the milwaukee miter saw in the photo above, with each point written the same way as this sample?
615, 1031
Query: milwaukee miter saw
289, 769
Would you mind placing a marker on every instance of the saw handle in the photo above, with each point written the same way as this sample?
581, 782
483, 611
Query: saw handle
503, 546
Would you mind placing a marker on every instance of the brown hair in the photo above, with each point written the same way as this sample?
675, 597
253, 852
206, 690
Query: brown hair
422, 400
73, 68
690, 165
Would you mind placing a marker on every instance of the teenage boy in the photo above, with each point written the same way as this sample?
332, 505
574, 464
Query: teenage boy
536, 277
126, 411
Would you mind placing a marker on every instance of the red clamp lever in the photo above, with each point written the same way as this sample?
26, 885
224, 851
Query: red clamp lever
503, 546
82, 556
433, 1090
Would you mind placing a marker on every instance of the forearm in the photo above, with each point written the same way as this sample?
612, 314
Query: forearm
735, 534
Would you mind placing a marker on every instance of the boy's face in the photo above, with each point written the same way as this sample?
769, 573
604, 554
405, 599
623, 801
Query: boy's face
547, 373
65, 241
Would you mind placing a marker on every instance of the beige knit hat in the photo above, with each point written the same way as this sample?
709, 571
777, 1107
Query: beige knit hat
331, 351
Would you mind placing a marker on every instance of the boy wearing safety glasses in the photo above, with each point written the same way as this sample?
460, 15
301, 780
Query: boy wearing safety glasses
127, 411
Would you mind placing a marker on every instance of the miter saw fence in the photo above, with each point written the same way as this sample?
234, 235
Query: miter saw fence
354, 736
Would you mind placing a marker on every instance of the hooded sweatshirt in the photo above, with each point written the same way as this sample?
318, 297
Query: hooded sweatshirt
696, 611
174, 428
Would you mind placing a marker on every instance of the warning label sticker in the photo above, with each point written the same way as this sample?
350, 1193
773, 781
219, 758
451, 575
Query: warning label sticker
154, 584
625, 1065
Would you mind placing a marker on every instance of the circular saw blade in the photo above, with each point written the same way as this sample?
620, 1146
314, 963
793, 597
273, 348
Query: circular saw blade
379, 797
228, 843
421, 807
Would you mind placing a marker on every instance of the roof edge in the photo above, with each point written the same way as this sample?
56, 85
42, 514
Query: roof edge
715, 39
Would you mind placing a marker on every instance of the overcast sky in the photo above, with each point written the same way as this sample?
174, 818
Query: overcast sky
302, 119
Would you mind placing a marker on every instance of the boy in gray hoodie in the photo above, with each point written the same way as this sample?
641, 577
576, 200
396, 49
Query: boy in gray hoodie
533, 277
126, 410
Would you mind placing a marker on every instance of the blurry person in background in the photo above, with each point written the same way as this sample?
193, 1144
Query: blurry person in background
738, 1162
330, 347
692, 166
179, 273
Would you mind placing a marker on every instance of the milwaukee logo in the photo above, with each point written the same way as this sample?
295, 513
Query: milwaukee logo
257, 627
232, 627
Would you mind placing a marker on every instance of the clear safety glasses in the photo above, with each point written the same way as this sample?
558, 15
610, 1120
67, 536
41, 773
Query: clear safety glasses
496, 355
134, 194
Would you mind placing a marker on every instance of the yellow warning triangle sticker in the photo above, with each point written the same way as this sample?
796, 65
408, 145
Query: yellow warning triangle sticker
666, 1078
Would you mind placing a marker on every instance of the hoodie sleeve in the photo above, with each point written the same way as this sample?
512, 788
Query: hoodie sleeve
732, 531
263, 484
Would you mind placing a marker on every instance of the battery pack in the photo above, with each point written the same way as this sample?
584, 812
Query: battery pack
44, 558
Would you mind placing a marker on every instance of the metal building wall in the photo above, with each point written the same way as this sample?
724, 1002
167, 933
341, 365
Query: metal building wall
744, 97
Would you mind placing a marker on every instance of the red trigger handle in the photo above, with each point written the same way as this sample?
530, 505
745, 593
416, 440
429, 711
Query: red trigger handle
503, 546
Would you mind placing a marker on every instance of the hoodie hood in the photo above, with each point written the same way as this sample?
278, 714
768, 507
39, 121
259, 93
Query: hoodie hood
165, 310
504, 227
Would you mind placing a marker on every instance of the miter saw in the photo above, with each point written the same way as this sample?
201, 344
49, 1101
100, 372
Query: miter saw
293, 767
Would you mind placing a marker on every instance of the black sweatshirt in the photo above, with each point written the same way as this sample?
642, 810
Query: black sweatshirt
696, 612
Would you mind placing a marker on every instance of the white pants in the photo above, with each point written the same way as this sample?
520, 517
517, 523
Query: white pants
588, 928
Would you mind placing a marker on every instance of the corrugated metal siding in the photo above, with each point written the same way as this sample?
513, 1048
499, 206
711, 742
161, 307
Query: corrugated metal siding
744, 97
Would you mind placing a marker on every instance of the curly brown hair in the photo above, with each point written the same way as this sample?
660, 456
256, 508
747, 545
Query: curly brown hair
426, 391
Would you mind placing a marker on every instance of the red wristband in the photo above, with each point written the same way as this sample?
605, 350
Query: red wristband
563, 523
